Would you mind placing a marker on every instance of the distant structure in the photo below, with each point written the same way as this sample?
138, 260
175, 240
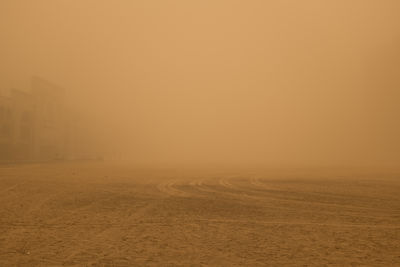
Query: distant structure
37, 126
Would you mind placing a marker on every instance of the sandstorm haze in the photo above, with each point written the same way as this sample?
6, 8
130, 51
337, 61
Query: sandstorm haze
218, 82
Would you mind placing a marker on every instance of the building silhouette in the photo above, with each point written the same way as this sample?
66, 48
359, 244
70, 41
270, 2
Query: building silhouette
38, 125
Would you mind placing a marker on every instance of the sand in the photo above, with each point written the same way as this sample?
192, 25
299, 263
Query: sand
97, 214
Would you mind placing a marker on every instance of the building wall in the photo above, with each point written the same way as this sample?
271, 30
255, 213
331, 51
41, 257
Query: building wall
36, 126
6, 128
50, 120
22, 106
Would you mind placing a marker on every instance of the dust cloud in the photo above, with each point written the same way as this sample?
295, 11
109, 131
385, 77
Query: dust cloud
218, 82
199, 133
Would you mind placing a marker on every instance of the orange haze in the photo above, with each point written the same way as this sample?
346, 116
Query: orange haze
218, 81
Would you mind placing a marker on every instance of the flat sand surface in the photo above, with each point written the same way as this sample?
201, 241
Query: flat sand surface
97, 214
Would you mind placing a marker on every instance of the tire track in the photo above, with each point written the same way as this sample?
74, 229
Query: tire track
266, 189
169, 188
224, 181
302, 223
225, 187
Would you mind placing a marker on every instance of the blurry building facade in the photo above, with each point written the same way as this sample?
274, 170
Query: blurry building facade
37, 125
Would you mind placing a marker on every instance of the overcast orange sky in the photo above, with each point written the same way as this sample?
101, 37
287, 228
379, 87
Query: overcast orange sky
221, 81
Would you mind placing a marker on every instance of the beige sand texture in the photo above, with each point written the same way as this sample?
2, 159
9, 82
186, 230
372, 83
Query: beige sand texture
92, 214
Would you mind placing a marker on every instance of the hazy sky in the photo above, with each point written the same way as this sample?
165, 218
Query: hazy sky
219, 81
